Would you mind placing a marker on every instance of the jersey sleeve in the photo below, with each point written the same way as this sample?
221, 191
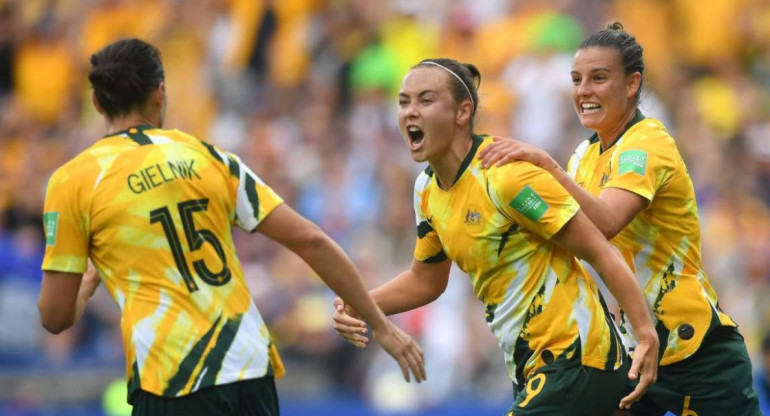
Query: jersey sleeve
531, 197
427, 248
66, 224
254, 200
642, 164
576, 158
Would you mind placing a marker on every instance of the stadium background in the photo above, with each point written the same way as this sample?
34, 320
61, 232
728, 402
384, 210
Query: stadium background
304, 91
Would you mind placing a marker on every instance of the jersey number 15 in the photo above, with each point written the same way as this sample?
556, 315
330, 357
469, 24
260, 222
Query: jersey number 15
195, 239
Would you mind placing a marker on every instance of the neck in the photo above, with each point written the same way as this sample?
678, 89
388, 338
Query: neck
608, 138
120, 123
448, 164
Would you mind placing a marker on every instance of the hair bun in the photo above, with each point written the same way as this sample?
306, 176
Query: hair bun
615, 26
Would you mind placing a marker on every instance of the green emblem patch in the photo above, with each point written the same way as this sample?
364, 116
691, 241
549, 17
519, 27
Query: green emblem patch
633, 161
51, 224
529, 204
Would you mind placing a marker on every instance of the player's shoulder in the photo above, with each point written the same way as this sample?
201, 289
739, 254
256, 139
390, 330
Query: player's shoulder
650, 132
512, 171
81, 167
423, 180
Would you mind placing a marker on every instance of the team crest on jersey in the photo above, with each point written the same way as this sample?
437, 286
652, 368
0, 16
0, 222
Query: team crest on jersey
605, 178
473, 217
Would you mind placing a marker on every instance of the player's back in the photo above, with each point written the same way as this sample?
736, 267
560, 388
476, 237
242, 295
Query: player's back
156, 208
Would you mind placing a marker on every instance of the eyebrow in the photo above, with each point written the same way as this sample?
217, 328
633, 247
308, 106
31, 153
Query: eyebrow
420, 94
592, 71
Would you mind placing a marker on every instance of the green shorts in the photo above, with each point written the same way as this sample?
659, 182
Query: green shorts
256, 397
557, 390
715, 381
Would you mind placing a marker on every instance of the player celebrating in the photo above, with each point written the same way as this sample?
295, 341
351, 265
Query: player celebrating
632, 183
153, 211
511, 229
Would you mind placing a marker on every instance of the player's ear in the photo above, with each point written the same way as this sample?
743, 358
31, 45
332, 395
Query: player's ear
464, 112
159, 95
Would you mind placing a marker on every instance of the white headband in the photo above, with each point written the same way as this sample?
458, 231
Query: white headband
458, 78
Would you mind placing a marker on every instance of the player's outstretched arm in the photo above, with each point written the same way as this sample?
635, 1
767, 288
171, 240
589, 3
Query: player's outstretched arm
333, 266
581, 237
418, 286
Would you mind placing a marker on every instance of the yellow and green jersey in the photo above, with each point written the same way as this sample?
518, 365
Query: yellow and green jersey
153, 210
662, 243
496, 224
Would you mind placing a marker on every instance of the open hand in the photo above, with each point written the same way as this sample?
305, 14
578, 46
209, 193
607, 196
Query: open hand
645, 364
393, 340
349, 325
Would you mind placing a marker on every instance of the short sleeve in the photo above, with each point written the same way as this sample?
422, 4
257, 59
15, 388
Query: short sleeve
642, 164
66, 224
531, 197
577, 157
254, 200
427, 248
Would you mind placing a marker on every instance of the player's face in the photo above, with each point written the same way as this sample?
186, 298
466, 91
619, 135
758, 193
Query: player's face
427, 113
601, 91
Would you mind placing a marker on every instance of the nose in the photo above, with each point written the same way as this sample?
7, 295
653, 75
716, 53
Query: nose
410, 109
584, 88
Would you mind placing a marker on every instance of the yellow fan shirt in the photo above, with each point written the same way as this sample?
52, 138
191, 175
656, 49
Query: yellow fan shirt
153, 209
662, 243
496, 224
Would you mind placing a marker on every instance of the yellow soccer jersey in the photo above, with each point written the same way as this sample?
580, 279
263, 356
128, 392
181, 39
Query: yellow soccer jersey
496, 224
153, 210
662, 244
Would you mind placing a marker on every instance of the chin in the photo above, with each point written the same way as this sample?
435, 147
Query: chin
419, 157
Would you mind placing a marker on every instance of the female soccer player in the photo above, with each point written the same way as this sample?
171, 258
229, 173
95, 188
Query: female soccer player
513, 230
153, 210
631, 181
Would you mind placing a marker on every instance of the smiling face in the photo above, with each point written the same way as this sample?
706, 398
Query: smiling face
428, 115
602, 93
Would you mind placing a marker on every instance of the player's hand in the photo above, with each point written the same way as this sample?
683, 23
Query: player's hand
90, 281
349, 325
503, 150
403, 349
644, 367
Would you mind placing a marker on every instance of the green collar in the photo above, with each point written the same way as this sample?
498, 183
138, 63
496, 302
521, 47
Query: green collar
131, 130
468, 159
637, 118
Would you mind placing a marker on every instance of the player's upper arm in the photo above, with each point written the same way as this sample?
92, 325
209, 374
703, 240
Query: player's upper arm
531, 197
57, 300
288, 228
66, 221
432, 275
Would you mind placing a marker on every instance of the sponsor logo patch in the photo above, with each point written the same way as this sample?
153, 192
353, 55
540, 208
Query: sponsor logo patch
633, 161
51, 224
529, 204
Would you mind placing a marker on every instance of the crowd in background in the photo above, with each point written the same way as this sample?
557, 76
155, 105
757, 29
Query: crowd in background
305, 92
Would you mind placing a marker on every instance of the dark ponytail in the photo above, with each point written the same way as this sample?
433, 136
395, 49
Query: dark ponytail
614, 36
123, 74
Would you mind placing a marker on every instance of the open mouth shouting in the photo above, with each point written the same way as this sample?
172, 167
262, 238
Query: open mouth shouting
416, 136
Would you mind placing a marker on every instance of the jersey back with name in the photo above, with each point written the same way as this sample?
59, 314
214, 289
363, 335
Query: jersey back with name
662, 243
154, 210
496, 224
